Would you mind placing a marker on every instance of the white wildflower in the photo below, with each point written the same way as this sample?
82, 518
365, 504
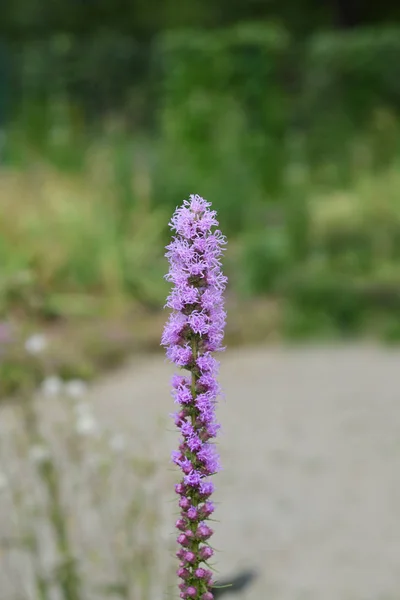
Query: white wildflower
86, 424
76, 388
117, 442
38, 454
52, 386
36, 343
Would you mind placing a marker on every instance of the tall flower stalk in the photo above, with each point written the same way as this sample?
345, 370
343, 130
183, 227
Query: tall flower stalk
193, 332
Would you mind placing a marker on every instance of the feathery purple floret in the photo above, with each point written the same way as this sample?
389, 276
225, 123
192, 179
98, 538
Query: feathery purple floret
195, 330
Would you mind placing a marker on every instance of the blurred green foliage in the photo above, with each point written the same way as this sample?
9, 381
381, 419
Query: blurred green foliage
296, 142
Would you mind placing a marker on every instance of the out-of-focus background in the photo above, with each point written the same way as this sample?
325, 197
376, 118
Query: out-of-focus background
286, 115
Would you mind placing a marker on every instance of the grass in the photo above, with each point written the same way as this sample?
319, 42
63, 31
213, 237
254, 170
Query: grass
68, 234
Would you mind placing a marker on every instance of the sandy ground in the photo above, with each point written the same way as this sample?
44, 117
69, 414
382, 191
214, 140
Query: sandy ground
310, 491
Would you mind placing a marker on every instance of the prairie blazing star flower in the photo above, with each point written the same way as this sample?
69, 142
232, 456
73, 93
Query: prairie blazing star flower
193, 332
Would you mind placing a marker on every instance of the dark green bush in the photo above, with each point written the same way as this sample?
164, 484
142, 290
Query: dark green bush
265, 258
347, 77
224, 111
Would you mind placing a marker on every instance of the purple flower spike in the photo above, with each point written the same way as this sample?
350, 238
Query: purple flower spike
195, 330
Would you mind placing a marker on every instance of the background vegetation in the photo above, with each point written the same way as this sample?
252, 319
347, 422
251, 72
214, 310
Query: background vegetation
286, 117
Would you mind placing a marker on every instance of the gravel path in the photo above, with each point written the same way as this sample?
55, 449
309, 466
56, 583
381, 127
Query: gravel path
310, 492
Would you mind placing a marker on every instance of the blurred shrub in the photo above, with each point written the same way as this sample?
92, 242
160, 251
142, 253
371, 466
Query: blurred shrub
351, 270
101, 71
348, 77
82, 234
235, 102
223, 115
265, 257
295, 144
327, 87
353, 71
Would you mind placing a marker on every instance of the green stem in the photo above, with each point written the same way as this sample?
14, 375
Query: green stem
194, 375
194, 547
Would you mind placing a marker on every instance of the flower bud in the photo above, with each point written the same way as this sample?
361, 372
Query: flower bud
206, 552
